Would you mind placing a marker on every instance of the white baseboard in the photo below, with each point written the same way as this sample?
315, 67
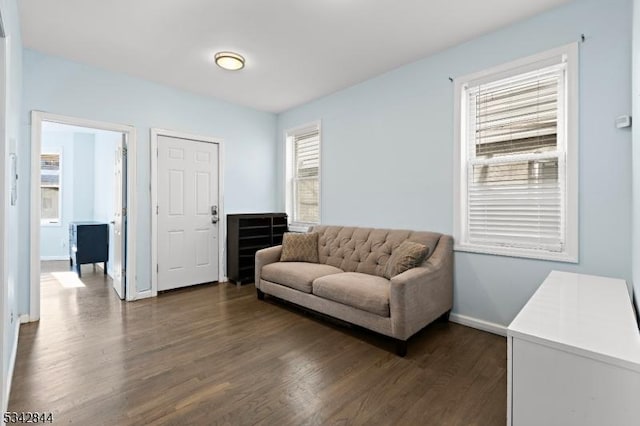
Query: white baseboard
46, 258
12, 364
491, 327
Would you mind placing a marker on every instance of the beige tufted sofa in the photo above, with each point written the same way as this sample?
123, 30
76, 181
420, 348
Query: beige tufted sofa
348, 282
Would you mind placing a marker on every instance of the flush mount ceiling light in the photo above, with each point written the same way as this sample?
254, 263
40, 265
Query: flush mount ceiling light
229, 61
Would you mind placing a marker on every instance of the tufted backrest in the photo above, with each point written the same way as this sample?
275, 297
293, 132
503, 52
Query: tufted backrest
365, 250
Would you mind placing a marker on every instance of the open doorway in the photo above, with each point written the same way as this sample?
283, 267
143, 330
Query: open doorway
82, 232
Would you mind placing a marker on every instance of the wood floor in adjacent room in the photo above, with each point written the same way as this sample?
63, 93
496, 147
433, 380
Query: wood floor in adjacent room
214, 354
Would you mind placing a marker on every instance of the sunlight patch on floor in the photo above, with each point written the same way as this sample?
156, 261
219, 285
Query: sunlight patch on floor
68, 279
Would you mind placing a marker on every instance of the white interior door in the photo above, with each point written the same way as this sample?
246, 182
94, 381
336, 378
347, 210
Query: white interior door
118, 224
187, 212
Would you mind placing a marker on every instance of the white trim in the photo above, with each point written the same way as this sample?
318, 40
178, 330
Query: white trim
522, 65
514, 252
569, 55
34, 250
12, 365
37, 117
50, 222
298, 227
479, 324
48, 258
288, 171
222, 228
509, 380
131, 285
4, 209
144, 294
24, 318
572, 159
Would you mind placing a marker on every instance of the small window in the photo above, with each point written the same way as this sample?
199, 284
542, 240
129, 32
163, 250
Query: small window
303, 175
517, 159
50, 188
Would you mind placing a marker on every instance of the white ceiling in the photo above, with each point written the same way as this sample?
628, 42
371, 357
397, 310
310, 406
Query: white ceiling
296, 50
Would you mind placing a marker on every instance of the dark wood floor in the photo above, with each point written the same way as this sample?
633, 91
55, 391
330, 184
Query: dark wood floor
215, 355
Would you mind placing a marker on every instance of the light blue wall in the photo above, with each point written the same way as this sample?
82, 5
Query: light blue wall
387, 150
63, 87
83, 172
635, 257
15, 144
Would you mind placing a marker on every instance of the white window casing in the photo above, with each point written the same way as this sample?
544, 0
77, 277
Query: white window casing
516, 158
51, 189
303, 176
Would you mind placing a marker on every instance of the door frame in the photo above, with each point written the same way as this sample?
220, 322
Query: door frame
222, 230
4, 225
37, 117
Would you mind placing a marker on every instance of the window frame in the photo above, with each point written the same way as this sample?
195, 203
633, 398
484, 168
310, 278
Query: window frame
569, 55
53, 222
290, 134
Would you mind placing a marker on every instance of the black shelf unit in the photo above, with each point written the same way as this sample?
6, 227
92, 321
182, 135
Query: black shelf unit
88, 243
246, 234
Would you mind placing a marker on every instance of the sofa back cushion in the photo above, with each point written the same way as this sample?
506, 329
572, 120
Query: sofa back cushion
366, 250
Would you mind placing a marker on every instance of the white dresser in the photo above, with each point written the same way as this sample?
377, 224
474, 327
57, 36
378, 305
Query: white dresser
573, 355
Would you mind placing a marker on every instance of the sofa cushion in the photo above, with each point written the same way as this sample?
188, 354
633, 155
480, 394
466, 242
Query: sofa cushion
297, 247
297, 275
366, 250
408, 255
362, 291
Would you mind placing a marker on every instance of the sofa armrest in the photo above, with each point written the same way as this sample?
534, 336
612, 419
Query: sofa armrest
265, 257
422, 294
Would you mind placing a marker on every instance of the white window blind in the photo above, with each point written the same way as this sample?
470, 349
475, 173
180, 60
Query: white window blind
306, 176
515, 166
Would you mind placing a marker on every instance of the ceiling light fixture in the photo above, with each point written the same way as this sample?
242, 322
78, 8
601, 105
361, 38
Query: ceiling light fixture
229, 61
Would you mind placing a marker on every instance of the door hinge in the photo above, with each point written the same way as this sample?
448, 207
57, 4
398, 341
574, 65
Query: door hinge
157, 268
124, 151
124, 273
124, 211
157, 209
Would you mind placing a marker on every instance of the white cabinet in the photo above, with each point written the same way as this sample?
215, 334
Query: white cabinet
573, 355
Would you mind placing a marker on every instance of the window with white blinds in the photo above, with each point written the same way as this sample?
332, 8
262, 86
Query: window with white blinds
304, 171
514, 174
50, 188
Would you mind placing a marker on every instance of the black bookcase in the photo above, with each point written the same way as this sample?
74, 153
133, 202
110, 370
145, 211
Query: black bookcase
246, 234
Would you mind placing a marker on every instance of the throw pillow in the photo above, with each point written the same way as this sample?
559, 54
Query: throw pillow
297, 247
406, 256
